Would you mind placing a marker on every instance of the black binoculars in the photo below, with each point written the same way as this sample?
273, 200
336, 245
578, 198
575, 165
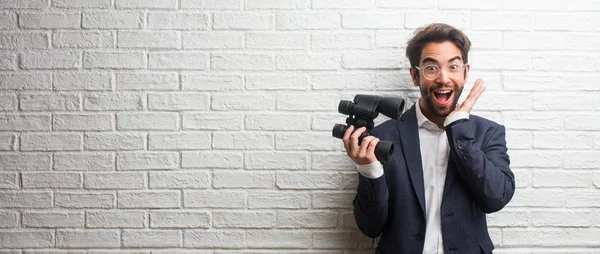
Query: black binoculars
361, 113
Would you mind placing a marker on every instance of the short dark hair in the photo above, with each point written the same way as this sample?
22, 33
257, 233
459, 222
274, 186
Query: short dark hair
436, 32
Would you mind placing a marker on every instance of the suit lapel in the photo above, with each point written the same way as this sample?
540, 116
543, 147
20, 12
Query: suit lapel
409, 132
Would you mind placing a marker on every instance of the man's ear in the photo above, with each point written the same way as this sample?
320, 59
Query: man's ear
467, 69
415, 76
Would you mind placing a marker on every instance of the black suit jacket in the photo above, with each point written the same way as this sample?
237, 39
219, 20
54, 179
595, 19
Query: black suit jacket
478, 181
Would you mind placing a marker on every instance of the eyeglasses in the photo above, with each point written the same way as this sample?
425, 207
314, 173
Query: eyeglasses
433, 71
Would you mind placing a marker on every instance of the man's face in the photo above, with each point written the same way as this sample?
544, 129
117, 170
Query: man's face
440, 94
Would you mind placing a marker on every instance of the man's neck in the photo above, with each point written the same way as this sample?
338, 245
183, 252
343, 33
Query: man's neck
439, 121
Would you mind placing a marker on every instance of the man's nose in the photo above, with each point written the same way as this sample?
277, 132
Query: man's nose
444, 76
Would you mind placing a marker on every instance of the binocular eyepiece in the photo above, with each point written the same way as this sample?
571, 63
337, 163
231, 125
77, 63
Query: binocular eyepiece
361, 113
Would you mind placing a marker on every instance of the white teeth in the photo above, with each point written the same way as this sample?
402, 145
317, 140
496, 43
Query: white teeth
444, 92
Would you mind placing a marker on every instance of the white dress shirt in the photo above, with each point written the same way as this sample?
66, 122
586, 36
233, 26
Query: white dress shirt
435, 151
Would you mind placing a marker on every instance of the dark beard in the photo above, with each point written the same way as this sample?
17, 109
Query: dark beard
428, 96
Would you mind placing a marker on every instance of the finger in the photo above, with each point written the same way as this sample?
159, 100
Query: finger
473, 95
346, 138
474, 89
372, 145
354, 139
362, 153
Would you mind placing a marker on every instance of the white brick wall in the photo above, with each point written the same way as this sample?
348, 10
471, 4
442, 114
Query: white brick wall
204, 126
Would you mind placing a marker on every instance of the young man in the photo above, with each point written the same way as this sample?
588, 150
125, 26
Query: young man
449, 168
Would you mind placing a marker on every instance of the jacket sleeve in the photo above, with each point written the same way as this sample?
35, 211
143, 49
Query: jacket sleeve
371, 205
485, 168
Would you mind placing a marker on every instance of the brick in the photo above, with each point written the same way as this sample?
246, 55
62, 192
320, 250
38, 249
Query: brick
277, 239
118, 180
562, 179
325, 122
560, 140
306, 219
552, 103
471, 4
277, 122
307, 141
558, 218
178, 101
152, 238
332, 199
244, 141
212, 40
276, 40
311, 101
501, 21
84, 161
277, 4
69, 20
53, 219
9, 219
113, 101
304, 181
179, 219
308, 20
113, 141
8, 60
24, 122
580, 122
538, 159
148, 39
354, 240
113, 20
307, 62
26, 161
244, 219
146, 4
8, 20
581, 159
213, 121
519, 139
332, 161
556, 62
115, 219
148, 121
272, 160
277, 82
25, 81
562, 21
243, 21
179, 141
147, 160
278, 200
101, 4
84, 199
212, 4
534, 41
8, 102
337, 40
374, 60
416, 19
555, 237
539, 198
147, 81
508, 101
82, 122
94, 238
497, 61
202, 82
50, 142
179, 60
373, 20
211, 159
428, 4
484, 39
214, 199
7, 142
243, 180
510, 218
69, 81
179, 180
583, 41
9, 181
26, 238
49, 102
148, 199
25, 199
534, 82
582, 82
337, 4
241, 62
242, 101
529, 121
114, 60
50, 60
213, 239
349, 180
582, 198
24, 40
177, 21
392, 39
51, 180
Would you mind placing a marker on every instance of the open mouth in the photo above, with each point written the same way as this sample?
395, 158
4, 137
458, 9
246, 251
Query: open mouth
442, 97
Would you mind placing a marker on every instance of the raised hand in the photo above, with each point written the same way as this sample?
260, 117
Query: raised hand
363, 154
469, 102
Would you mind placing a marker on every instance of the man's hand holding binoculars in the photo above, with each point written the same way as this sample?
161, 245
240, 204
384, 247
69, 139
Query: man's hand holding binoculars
364, 153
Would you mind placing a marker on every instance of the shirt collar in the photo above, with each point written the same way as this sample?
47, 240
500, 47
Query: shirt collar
422, 121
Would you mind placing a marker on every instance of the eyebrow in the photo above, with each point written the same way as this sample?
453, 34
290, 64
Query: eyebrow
429, 59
